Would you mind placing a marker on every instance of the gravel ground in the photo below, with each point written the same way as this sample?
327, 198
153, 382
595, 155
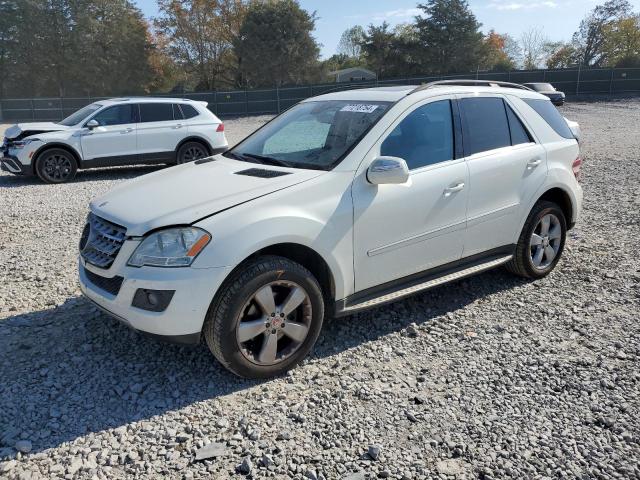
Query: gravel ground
490, 377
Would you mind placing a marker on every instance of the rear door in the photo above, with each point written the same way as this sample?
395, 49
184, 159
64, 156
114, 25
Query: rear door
160, 130
506, 167
114, 141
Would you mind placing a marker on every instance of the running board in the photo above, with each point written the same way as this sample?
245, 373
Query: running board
420, 287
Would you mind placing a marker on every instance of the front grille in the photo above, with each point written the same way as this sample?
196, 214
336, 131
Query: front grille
111, 285
103, 243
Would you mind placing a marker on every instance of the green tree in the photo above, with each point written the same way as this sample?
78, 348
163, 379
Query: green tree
200, 36
390, 52
621, 45
350, 41
589, 40
450, 37
560, 55
276, 46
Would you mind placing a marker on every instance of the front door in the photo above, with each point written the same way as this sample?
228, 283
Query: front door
113, 142
404, 229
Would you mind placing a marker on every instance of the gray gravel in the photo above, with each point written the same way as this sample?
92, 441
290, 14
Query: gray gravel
490, 377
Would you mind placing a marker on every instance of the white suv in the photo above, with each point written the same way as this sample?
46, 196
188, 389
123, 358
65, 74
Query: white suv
114, 132
346, 201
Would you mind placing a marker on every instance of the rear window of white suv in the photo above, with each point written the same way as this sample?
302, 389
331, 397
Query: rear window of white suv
550, 114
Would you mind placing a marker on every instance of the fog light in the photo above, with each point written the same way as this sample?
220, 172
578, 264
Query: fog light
152, 300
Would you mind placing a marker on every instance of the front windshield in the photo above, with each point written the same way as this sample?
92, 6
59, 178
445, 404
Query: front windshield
80, 115
313, 135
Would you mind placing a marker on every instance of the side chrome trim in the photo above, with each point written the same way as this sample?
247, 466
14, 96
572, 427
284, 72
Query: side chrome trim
393, 296
421, 237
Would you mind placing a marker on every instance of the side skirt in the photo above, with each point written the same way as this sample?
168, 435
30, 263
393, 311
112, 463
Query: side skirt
406, 286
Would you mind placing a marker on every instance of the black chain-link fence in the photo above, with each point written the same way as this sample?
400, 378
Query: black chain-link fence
271, 101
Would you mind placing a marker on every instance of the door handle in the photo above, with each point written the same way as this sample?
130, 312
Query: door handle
453, 189
127, 130
533, 163
179, 125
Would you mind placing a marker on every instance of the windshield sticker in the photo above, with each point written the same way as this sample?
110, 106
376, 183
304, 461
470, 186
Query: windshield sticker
359, 108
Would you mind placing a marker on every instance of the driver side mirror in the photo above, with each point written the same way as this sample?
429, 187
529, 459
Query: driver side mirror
91, 124
388, 170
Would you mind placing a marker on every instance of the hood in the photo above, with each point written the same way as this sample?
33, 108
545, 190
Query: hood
184, 194
22, 130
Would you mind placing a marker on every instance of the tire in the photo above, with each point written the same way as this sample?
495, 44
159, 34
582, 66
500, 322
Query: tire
527, 261
240, 331
56, 165
190, 152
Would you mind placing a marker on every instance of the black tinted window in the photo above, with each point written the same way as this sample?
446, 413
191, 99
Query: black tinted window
177, 113
424, 137
188, 110
117, 115
551, 115
156, 112
485, 125
519, 133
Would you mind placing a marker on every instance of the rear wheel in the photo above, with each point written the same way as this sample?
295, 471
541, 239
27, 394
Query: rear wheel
191, 151
541, 242
56, 166
265, 318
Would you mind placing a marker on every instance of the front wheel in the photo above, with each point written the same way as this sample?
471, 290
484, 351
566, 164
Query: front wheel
266, 317
56, 166
541, 242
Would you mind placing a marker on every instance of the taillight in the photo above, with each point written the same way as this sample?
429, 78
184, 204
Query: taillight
577, 163
220, 128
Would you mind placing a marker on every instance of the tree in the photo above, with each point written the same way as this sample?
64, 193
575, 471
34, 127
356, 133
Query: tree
621, 46
449, 36
200, 37
590, 38
532, 43
350, 40
390, 53
496, 56
560, 55
276, 46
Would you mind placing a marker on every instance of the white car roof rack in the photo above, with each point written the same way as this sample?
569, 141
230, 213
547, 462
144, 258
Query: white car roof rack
469, 83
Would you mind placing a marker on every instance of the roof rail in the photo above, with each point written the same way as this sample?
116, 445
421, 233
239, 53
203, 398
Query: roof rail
469, 83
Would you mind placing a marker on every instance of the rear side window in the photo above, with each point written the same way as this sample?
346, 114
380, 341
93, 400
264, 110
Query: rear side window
550, 114
484, 125
519, 133
156, 112
424, 137
188, 110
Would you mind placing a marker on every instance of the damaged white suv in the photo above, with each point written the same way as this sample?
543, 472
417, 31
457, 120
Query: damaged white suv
121, 131
346, 201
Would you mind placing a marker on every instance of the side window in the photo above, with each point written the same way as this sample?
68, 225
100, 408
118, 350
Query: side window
155, 112
189, 111
424, 137
116, 115
177, 113
550, 115
519, 133
484, 124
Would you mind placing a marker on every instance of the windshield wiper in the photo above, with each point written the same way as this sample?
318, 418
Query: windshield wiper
268, 160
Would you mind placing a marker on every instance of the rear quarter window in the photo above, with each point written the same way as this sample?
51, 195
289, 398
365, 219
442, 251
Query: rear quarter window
188, 110
550, 114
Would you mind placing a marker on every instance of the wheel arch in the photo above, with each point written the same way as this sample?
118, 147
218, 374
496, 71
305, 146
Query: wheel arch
62, 146
562, 198
197, 139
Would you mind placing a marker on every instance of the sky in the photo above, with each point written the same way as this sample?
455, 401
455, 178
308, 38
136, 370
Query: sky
557, 18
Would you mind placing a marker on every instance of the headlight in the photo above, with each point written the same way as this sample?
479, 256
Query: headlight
23, 143
174, 247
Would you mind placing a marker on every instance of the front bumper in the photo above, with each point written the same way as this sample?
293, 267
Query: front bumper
181, 321
11, 164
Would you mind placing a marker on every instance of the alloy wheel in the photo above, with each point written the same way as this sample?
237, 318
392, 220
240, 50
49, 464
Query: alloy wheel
57, 167
274, 322
545, 241
192, 153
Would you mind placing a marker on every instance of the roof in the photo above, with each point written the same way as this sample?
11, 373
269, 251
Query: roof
349, 70
393, 94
